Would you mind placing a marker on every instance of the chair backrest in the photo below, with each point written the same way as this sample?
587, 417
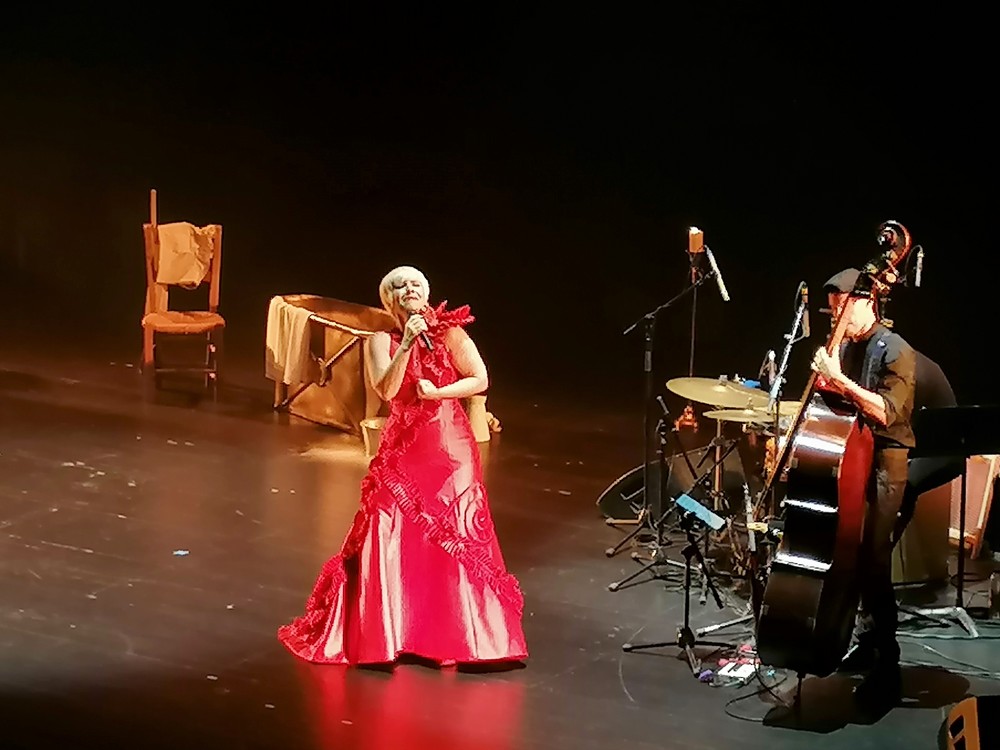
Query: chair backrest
157, 292
974, 723
962, 726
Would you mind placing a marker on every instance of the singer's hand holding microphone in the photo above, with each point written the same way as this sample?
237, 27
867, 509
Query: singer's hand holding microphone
415, 326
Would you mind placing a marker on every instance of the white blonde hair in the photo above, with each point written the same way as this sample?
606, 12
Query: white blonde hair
390, 279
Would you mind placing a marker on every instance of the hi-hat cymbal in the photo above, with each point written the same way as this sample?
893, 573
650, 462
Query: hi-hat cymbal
785, 408
716, 392
752, 416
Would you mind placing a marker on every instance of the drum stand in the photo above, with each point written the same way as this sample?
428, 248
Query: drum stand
718, 496
645, 520
776, 380
657, 557
717, 493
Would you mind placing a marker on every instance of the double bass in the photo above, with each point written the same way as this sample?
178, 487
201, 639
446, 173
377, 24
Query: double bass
810, 599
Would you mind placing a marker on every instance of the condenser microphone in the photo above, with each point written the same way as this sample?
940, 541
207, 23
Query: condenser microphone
696, 241
718, 274
696, 248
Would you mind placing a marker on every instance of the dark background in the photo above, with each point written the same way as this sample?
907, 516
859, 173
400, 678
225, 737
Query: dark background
542, 166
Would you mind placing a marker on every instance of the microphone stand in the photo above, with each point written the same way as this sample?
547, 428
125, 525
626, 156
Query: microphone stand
790, 340
652, 511
698, 277
777, 380
774, 395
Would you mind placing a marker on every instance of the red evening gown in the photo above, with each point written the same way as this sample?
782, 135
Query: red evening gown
420, 571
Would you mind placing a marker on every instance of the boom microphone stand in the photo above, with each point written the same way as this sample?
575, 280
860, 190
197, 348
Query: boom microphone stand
776, 380
792, 338
652, 503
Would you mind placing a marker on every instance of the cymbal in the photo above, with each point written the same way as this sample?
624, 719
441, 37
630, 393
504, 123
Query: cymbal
724, 393
785, 408
753, 416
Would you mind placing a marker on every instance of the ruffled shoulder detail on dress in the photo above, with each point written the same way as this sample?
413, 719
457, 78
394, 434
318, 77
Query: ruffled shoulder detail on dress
441, 319
435, 364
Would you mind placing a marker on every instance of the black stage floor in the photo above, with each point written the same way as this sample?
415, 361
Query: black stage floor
149, 552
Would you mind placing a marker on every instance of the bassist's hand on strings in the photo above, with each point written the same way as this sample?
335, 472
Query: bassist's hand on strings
827, 368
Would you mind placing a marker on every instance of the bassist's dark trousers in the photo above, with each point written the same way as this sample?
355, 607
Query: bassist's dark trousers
878, 599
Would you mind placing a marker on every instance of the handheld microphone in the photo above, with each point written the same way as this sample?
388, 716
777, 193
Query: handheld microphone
424, 338
718, 274
920, 267
805, 310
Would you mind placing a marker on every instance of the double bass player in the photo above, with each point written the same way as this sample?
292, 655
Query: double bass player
874, 369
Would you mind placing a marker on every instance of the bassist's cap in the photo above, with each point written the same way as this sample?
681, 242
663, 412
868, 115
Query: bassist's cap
842, 282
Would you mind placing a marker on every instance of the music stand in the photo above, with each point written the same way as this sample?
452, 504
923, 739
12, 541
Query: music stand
694, 514
957, 432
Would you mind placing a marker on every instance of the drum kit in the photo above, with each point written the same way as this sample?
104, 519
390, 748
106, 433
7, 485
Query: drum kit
736, 402
733, 402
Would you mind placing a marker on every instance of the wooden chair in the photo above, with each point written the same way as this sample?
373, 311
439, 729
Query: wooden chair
159, 320
973, 723
962, 726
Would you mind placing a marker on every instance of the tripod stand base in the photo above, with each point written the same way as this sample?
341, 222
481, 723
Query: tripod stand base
957, 614
686, 641
642, 525
657, 559
622, 521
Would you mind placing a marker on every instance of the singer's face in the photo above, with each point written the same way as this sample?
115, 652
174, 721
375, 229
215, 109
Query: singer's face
409, 293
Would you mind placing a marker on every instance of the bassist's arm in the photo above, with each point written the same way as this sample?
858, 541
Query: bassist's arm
871, 403
889, 401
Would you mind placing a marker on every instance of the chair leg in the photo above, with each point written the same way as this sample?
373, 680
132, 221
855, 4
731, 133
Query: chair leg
149, 379
216, 346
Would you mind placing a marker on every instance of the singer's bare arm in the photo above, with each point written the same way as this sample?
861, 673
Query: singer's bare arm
384, 371
469, 364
